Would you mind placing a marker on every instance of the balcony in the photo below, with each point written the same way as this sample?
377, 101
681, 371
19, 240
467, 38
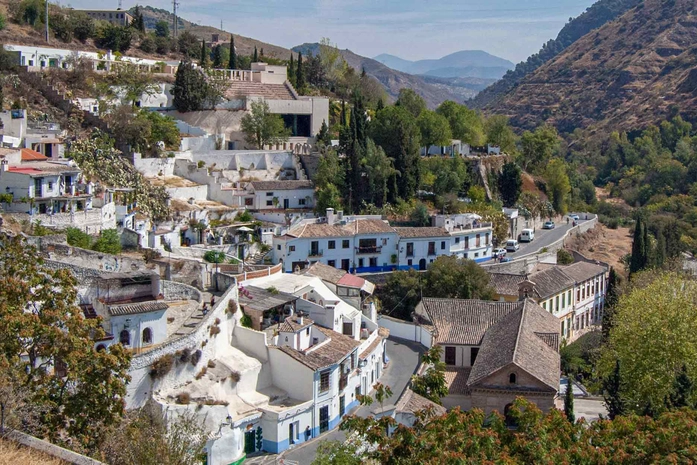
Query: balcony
315, 253
368, 250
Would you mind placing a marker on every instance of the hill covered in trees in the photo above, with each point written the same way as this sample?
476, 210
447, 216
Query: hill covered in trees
594, 17
628, 74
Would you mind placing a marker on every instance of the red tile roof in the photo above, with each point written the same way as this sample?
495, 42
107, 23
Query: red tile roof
350, 280
32, 155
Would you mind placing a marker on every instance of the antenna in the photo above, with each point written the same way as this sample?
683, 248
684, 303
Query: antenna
175, 4
120, 4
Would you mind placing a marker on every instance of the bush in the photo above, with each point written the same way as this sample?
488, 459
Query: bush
148, 44
62, 27
108, 242
231, 307
163, 45
246, 321
235, 376
201, 373
213, 256
214, 330
3, 21
113, 37
244, 217
78, 238
162, 366
150, 255
211, 364
184, 398
196, 357
564, 257
83, 26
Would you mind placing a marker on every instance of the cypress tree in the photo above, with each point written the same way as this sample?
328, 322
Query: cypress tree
659, 255
342, 115
255, 58
569, 401
233, 54
640, 255
291, 71
203, 60
217, 57
299, 76
261, 53
672, 237
612, 295
380, 105
683, 388
611, 392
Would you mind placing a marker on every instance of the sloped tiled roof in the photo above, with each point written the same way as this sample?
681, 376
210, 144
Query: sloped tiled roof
32, 155
505, 283
582, 271
456, 380
256, 298
411, 402
331, 353
293, 325
325, 272
282, 185
516, 340
550, 282
237, 89
338, 230
136, 308
415, 233
464, 322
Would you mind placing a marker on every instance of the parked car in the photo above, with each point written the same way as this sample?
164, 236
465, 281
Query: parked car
574, 217
512, 245
527, 235
504, 259
498, 253
548, 225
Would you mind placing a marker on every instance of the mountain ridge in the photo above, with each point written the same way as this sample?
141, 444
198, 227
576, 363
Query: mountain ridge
464, 63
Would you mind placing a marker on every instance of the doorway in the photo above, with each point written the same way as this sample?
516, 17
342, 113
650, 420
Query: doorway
422, 264
249, 442
291, 433
324, 419
342, 405
286, 204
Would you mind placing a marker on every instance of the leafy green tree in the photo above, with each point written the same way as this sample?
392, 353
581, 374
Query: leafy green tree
300, 74
569, 400
261, 127
323, 135
190, 88
612, 295
218, 57
564, 257
465, 124
432, 383
113, 37
138, 22
558, 185
641, 247
328, 196
379, 170
435, 129
411, 102
108, 242
213, 256
233, 54
499, 132
147, 44
457, 278
162, 29
510, 184
83, 26
661, 308
395, 130
420, 216
162, 128
401, 293
537, 148
47, 350
189, 45
612, 392
353, 141
78, 238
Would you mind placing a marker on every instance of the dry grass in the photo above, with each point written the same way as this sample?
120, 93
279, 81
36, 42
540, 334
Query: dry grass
13, 454
604, 244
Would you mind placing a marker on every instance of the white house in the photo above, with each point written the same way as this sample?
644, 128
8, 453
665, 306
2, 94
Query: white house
289, 194
419, 247
590, 285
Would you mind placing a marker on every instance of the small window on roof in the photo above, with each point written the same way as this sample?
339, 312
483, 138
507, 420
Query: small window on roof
512, 378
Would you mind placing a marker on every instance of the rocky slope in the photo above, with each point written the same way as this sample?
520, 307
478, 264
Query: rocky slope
625, 75
594, 17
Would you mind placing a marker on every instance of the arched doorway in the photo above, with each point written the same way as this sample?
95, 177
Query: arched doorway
422, 264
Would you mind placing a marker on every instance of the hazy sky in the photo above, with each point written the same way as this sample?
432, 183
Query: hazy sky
411, 29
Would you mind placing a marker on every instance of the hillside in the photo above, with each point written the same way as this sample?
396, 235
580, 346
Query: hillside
600, 13
243, 45
393, 81
626, 75
465, 63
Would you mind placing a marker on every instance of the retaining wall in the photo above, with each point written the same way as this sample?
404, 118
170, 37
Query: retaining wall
53, 450
406, 330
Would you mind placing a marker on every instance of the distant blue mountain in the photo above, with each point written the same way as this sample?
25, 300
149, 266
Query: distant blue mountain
466, 63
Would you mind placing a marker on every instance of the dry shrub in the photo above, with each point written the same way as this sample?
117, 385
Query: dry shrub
201, 373
211, 364
215, 330
196, 357
235, 376
231, 307
184, 398
162, 366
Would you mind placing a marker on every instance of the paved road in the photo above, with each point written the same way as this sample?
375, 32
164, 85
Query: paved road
543, 238
404, 359
590, 409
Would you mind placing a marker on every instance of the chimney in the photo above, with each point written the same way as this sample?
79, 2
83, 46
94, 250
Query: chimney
340, 215
4, 165
330, 216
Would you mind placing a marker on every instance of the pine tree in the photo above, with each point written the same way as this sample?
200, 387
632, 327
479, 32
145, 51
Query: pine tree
255, 58
323, 134
233, 54
217, 57
640, 247
299, 75
291, 71
380, 104
612, 386
261, 53
190, 89
612, 295
569, 400
683, 389
138, 23
203, 60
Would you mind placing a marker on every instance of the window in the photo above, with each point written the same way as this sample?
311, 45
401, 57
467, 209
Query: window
269, 203
557, 303
301, 201
50, 185
291, 248
487, 239
442, 245
125, 337
307, 331
410, 249
431, 248
457, 240
345, 244
331, 245
147, 336
467, 243
512, 378
360, 263
478, 240
373, 262
450, 355
347, 328
278, 247
544, 305
410, 262
269, 194
332, 263
578, 295
563, 300
476, 255
248, 202
474, 351
324, 378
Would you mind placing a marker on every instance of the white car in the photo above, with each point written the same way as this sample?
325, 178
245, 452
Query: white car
499, 253
512, 245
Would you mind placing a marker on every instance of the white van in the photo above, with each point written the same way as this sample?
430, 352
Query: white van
512, 245
528, 235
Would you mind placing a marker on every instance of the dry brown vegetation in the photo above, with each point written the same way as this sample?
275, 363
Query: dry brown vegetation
604, 244
13, 454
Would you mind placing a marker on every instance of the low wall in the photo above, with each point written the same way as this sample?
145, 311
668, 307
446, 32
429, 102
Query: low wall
199, 192
92, 221
251, 342
53, 450
406, 330
152, 167
178, 291
94, 260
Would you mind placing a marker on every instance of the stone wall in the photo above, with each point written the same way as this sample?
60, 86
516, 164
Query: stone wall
95, 260
179, 291
52, 450
152, 167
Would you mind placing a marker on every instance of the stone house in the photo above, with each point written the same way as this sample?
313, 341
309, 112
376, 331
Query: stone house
494, 351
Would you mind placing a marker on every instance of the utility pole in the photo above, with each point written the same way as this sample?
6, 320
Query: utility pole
175, 4
47, 41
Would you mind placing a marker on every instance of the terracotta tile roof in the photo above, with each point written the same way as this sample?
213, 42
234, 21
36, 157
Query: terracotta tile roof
583, 271
350, 280
369, 350
133, 309
411, 402
422, 232
456, 380
338, 230
465, 322
515, 340
281, 185
292, 324
325, 272
505, 283
331, 353
237, 89
550, 282
32, 155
